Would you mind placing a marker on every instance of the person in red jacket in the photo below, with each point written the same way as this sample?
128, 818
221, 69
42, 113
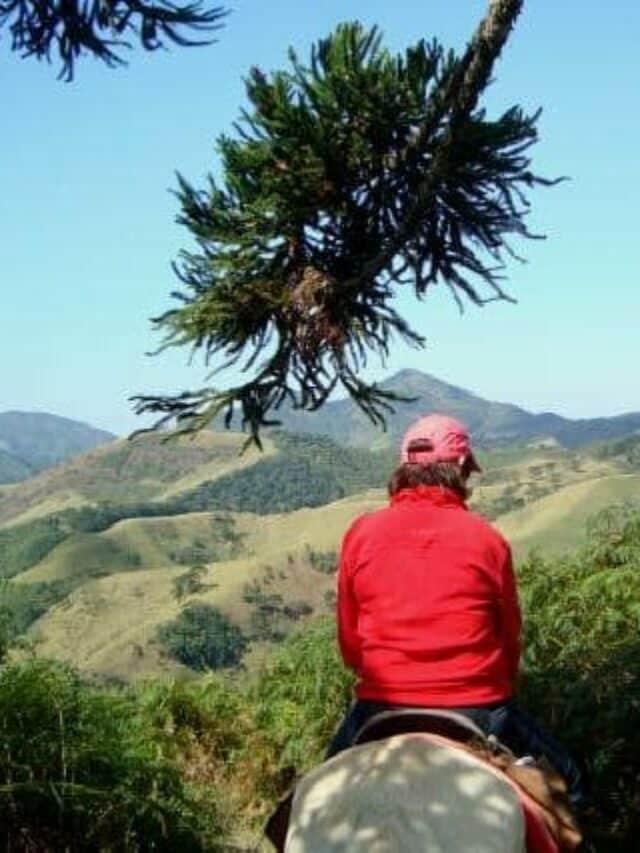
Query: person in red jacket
428, 612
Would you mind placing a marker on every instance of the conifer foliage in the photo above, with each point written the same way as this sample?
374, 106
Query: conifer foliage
349, 177
67, 29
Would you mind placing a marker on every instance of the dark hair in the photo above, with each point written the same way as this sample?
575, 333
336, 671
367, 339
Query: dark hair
448, 475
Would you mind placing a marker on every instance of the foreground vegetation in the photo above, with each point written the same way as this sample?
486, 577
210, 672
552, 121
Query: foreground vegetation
82, 770
192, 765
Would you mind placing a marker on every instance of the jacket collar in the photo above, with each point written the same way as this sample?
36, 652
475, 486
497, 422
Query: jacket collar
435, 495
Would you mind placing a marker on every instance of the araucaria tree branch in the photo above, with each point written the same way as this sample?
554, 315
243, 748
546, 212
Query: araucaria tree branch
351, 176
65, 30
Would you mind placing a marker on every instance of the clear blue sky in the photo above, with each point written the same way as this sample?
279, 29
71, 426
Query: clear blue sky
88, 219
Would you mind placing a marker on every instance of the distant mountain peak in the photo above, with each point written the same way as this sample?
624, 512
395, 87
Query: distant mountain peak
33, 441
490, 422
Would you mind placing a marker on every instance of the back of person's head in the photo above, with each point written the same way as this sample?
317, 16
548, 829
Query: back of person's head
435, 451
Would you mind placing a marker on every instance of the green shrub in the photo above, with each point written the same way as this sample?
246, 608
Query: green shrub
190, 583
249, 743
271, 616
202, 637
322, 561
301, 696
79, 771
209, 712
582, 664
297, 609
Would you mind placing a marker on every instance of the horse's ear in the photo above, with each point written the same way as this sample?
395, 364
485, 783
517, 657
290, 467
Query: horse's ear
278, 824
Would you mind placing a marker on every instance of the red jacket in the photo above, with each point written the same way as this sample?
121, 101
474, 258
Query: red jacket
428, 611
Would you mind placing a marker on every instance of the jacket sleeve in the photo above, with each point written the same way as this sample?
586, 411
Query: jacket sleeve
510, 616
347, 611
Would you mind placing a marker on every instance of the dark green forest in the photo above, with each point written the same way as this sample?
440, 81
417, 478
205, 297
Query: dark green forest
203, 638
307, 471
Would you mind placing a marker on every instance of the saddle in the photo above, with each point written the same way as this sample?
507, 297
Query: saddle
549, 820
403, 721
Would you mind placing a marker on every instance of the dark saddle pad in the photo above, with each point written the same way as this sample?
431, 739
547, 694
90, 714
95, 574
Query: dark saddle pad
400, 721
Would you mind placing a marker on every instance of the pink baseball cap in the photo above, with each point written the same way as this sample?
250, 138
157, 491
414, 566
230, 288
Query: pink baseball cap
437, 438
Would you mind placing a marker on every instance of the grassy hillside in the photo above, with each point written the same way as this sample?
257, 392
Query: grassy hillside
139, 543
108, 625
147, 468
203, 473
102, 577
556, 522
303, 472
517, 477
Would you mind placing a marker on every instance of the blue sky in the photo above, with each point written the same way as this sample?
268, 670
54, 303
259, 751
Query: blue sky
88, 218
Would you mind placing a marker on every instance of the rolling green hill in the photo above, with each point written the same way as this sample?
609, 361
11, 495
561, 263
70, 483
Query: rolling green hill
145, 469
292, 473
108, 625
139, 544
98, 547
556, 522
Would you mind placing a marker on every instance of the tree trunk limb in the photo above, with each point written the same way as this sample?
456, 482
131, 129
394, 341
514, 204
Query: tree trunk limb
465, 87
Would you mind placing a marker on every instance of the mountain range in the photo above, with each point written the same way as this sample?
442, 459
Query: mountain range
33, 441
491, 423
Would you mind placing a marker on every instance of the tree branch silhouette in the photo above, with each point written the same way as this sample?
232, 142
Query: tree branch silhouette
68, 29
351, 177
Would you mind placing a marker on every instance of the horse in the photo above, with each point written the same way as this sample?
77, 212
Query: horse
415, 782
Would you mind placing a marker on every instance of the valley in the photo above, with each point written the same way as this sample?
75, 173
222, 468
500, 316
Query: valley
94, 547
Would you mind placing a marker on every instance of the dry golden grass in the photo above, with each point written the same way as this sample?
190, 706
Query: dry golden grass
556, 522
52, 503
107, 626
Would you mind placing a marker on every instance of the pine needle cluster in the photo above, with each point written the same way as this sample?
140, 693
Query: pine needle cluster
348, 178
67, 29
